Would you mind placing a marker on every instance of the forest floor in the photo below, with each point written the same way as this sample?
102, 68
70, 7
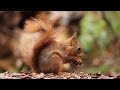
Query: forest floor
63, 75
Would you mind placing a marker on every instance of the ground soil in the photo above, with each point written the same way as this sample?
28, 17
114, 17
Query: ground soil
63, 75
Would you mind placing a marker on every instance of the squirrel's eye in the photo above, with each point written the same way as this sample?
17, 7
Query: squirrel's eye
79, 49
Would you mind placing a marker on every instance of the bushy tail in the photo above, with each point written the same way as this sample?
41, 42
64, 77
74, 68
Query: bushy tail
45, 27
39, 23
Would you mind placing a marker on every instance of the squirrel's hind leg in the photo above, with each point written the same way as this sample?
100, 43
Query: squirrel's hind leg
56, 63
53, 65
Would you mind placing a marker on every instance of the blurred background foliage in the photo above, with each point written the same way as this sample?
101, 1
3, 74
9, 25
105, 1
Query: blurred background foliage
98, 33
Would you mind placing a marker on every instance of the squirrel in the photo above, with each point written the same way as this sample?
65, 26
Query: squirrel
42, 52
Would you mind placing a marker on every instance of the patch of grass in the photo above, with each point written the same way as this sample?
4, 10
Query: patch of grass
117, 69
102, 69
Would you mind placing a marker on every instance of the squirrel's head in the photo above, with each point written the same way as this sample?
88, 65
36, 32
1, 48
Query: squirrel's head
74, 49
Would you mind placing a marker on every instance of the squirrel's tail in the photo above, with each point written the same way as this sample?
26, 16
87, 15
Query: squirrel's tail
43, 26
39, 23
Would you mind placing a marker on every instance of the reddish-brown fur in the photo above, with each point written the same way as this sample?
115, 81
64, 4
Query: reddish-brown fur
42, 52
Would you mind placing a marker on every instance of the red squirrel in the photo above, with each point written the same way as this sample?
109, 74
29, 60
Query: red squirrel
41, 50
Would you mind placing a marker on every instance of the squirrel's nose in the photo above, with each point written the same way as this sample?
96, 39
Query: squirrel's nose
80, 62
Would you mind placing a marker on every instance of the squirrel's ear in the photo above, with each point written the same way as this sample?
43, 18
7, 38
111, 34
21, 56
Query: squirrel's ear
74, 36
73, 40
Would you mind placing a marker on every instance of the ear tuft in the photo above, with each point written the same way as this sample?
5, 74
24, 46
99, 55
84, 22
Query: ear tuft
74, 37
72, 41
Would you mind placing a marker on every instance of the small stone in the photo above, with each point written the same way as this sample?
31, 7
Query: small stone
41, 75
